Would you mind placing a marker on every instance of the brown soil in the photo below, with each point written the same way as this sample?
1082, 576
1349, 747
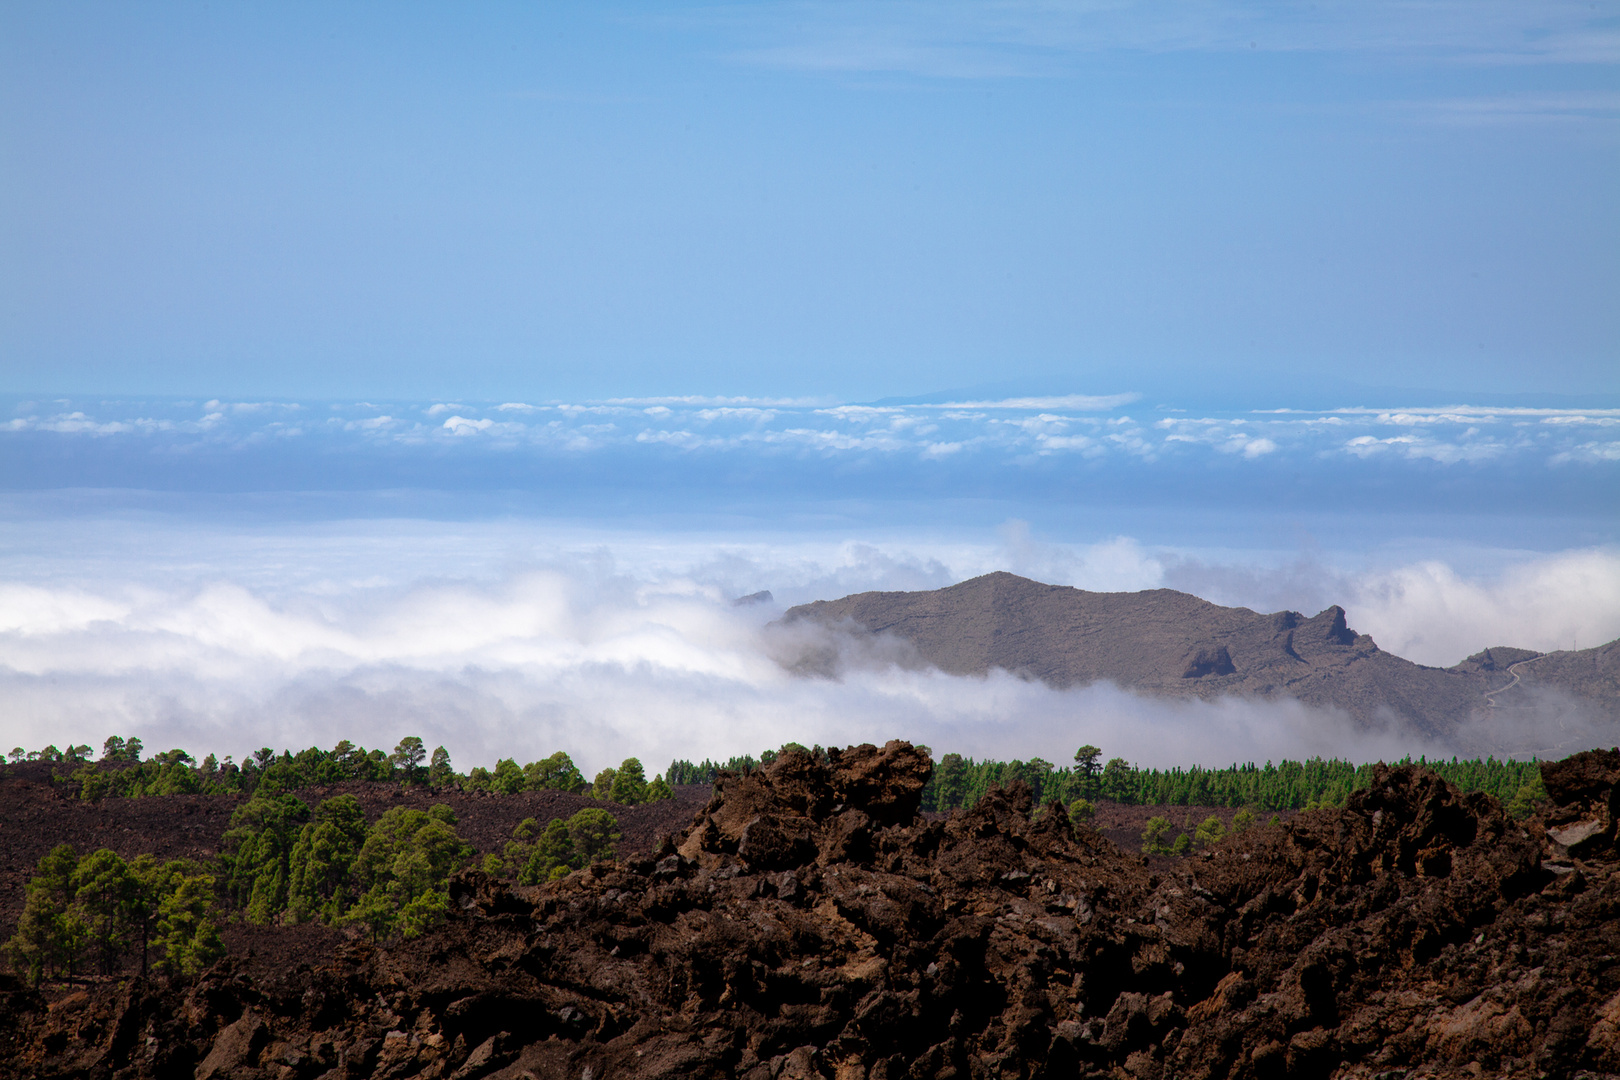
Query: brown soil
810, 924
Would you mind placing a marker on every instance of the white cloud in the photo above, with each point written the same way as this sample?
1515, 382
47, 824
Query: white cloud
1010, 432
461, 425
1590, 453
450, 631
702, 400
1077, 402
1429, 613
601, 668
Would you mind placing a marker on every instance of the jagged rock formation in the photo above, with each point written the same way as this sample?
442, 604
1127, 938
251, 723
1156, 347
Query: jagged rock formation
1171, 643
810, 924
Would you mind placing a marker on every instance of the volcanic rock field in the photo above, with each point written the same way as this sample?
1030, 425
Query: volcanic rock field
810, 923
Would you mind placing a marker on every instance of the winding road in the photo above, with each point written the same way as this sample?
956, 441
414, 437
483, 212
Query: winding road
1513, 669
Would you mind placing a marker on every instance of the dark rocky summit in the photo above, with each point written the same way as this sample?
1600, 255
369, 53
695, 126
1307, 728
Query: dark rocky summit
810, 924
1170, 643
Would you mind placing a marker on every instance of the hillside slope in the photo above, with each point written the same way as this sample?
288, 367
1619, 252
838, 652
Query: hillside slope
1165, 642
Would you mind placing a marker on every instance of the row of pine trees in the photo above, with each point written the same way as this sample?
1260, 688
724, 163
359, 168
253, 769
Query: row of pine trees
958, 781
1289, 785
122, 772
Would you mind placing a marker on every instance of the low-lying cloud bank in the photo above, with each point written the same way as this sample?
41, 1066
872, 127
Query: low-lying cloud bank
583, 654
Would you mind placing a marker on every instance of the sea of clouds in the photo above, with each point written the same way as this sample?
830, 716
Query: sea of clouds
1079, 427
519, 637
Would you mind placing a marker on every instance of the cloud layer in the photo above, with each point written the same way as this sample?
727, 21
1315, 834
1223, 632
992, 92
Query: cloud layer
605, 654
1011, 431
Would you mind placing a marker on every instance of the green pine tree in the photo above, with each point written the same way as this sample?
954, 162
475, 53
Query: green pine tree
629, 783
256, 853
1153, 835
320, 886
1210, 831
186, 931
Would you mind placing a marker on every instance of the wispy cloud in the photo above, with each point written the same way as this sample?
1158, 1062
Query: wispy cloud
1538, 109
999, 39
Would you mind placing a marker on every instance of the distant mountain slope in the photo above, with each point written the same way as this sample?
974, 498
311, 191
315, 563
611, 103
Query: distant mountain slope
1165, 642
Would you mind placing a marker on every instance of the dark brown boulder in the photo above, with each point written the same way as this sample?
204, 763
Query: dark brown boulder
886, 784
1585, 794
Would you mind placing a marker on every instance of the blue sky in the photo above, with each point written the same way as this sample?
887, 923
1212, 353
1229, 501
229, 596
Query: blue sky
854, 201
450, 369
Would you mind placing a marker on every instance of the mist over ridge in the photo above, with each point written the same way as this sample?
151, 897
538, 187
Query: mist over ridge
501, 638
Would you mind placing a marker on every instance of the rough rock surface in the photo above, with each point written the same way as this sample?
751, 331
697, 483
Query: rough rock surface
810, 924
1165, 642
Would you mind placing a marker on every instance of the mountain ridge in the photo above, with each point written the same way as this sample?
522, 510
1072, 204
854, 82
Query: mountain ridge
1168, 643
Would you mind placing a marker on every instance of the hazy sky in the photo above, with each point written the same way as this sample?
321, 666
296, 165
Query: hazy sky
383, 369
502, 201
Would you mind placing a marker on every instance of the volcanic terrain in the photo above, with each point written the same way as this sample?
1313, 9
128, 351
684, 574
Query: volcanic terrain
810, 924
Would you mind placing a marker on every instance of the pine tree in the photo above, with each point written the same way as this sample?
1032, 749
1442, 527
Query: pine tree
629, 783
556, 773
952, 776
551, 857
187, 933
1210, 831
508, 779
257, 852
440, 774
49, 933
320, 886
594, 833
1153, 835
104, 891
407, 855
408, 757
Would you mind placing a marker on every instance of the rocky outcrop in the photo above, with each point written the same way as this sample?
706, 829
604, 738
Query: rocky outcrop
1585, 792
810, 924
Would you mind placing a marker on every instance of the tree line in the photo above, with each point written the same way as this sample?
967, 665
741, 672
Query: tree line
1289, 785
122, 772
958, 781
